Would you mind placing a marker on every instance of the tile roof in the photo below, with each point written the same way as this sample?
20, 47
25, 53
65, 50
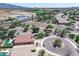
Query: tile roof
1, 41
23, 39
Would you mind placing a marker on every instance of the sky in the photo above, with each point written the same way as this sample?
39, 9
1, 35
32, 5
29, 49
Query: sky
49, 5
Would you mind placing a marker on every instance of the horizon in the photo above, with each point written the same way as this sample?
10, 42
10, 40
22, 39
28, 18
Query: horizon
46, 5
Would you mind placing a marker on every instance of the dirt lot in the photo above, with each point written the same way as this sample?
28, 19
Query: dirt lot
4, 14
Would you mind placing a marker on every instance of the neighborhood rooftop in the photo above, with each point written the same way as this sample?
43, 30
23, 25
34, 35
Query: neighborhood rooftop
23, 39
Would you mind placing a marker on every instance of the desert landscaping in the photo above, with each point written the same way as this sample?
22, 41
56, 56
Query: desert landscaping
39, 32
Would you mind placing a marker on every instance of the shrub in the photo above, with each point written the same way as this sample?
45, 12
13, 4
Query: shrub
26, 28
41, 52
47, 32
40, 35
12, 26
71, 36
57, 43
11, 33
10, 19
35, 29
3, 37
16, 23
63, 33
33, 50
23, 25
77, 39
49, 26
43, 15
17, 33
3, 33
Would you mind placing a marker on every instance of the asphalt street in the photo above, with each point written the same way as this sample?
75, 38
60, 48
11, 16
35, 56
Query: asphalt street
67, 50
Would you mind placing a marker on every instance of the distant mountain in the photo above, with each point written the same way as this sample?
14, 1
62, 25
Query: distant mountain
9, 6
77, 8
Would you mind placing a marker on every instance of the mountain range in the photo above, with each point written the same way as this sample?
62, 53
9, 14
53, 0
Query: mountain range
10, 6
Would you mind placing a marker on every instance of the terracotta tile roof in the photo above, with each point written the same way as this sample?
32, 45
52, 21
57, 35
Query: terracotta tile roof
23, 39
13, 54
1, 41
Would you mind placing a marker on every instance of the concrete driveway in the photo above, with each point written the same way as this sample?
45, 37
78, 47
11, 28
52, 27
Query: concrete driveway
23, 50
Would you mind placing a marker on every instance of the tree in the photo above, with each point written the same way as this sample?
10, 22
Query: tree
4, 31
17, 33
49, 26
40, 35
10, 19
1, 33
63, 33
23, 25
71, 36
65, 13
12, 25
3, 37
33, 50
11, 33
35, 29
47, 32
77, 39
26, 28
41, 52
43, 15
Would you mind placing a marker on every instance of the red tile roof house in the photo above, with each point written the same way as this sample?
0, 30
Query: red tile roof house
1, 41
23, 39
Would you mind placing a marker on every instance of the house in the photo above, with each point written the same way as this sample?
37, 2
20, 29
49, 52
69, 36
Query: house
77, 18
1, 41
61, 20
23, 18
23, 39
76, 26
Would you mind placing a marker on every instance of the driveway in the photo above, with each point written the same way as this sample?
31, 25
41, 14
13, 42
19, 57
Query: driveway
23, 50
